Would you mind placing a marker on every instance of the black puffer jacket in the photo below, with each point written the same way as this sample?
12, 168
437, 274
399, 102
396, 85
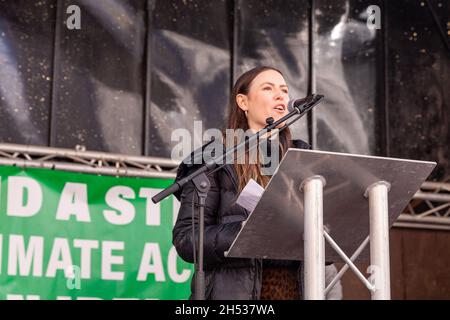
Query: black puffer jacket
225, 278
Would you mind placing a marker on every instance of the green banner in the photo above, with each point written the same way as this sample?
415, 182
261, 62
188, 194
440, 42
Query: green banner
70, 235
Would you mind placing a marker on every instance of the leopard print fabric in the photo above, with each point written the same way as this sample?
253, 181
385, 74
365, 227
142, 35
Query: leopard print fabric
279, 283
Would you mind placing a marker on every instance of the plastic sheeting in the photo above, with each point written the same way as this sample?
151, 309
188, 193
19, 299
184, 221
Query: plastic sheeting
346, 69
275, 33
190, 71
26, 70
99, 77
419, 77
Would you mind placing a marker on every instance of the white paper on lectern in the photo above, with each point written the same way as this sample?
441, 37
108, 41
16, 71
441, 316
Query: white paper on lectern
250, 195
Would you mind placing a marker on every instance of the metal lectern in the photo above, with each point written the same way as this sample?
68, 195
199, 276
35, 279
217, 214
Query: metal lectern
348, 200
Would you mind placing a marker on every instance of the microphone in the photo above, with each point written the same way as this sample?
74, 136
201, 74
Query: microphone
304, 103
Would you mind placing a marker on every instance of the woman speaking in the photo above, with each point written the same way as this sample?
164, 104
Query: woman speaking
257, 95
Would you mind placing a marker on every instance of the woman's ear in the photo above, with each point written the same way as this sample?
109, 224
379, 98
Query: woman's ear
241, 100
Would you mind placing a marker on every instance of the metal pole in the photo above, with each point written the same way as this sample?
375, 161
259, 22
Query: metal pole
74, 167
314, 243
379, 239
200, 276
71, 153
202, 186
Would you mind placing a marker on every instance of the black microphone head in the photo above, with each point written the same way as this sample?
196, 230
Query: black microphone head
296, 103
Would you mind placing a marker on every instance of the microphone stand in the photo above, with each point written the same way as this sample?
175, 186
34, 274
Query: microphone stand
202, 184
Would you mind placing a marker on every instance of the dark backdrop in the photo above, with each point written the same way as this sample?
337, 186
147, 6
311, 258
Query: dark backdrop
138, 69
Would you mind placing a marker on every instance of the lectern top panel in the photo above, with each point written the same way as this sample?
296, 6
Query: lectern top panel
275, 228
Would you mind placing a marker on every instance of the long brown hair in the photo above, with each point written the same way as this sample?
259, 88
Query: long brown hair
238, 120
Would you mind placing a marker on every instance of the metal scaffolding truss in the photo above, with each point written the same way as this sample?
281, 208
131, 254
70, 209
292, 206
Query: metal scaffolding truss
429, 208
80, 160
